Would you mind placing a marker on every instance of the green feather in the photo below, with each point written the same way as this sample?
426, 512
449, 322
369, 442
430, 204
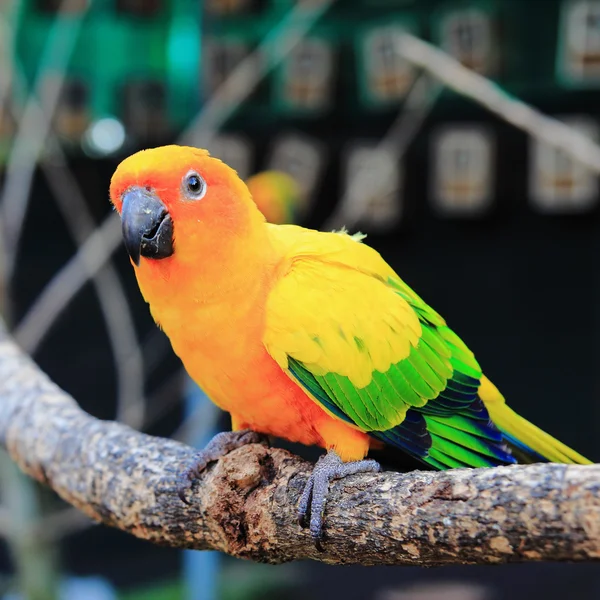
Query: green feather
417, 360
425, 312
465, 369
469, 426
416, 381
457, 452
429, 347
360, 344
442, 461
462, 358
402, 387
447, 431
434, 340
386, 389
347, 404
386, 394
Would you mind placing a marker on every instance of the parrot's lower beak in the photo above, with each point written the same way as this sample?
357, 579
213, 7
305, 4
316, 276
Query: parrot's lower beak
147, 225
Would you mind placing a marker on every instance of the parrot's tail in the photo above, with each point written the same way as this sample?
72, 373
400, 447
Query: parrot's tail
528, 442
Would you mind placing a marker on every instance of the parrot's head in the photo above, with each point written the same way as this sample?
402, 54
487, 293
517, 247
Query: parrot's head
181, 207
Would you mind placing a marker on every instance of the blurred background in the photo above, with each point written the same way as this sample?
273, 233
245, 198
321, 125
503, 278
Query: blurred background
460, 135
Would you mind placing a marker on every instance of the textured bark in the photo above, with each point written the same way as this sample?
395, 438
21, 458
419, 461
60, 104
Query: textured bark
245, 504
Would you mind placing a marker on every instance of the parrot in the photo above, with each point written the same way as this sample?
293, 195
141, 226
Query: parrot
277, 195
305, 335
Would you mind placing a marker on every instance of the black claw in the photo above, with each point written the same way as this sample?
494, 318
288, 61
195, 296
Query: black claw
184, 485
181, 493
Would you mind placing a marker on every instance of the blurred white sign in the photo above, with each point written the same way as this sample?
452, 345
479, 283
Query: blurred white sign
468, 35
308, 75
557, 182
371, 187
579, 50
388, 75
221, 57
462, 182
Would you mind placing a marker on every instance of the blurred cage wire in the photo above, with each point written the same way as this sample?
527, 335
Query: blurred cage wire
56, 113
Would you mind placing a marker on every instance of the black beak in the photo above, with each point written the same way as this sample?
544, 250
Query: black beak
147, 225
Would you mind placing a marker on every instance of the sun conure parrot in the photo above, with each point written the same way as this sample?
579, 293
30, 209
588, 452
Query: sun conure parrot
305, 335
277, 196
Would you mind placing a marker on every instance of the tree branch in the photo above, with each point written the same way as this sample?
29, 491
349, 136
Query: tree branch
245, 504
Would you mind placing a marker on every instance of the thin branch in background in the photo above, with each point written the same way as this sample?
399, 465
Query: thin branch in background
55, 297
6, 42
198, 425
155, 347
6, 522
127, 355
61, 523
33, 128
6, 71
35, 559
276, 45
468, 83
161, 400
417, 106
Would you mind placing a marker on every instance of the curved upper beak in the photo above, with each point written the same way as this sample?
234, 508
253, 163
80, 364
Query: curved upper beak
147, 225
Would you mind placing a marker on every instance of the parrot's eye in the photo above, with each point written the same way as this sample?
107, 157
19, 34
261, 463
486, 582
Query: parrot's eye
194, 186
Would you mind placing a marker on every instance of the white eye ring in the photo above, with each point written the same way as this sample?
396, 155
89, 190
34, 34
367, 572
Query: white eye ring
193, 186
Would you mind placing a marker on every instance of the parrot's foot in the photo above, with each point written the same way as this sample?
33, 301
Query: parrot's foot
223, 443
328, 467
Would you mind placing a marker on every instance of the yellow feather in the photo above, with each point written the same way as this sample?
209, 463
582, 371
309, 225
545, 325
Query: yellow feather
527, 433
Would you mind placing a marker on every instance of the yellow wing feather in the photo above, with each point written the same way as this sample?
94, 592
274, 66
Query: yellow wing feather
319, 312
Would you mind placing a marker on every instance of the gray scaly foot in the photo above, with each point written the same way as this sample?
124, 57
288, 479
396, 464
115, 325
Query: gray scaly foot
328, 467
223, 443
